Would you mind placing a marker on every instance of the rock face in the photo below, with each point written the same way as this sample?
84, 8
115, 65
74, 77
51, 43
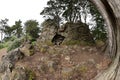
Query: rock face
26, 49
77, 31
8, 61
8, 70
48, 33
71, 31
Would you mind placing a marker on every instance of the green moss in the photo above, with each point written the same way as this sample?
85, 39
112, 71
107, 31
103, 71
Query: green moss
31, 75
82, 69
49, 43
77, 42
33, 43
43, 50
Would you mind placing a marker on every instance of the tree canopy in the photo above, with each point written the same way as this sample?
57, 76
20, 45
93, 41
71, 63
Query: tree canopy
32, 29
60, 11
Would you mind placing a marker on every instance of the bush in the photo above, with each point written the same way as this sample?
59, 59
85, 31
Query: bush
5, 44
32, 29
12, 38
15, 44
1, 45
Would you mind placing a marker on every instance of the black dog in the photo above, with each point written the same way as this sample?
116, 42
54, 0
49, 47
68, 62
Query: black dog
57, 39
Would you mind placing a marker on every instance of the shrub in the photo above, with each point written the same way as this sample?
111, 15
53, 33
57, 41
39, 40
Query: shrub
31, 75
1, 45
14, 44
32, 29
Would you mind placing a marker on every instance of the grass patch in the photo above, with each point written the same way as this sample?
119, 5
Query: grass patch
77, 42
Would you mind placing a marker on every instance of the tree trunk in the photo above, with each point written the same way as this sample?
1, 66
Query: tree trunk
110, 9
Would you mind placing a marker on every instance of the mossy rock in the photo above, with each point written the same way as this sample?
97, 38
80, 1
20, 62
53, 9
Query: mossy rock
26, 50
77, 31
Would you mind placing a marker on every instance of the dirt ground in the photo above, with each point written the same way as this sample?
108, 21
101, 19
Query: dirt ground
3, 52
81, 63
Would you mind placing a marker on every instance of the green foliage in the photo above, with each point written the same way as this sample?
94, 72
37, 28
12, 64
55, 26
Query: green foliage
8, 31
74, 11
17, 28
15, 44
99, 30
4, 27
5, 44
7, 39
1, 45
31, 75
32, 29
69, 10
33, 43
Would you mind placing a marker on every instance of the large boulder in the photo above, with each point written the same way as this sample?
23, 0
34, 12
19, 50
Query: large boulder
8, 60
71, 31
47, 33
26, 49
76, 31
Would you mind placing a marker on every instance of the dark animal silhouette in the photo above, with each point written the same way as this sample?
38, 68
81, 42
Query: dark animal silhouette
57, 39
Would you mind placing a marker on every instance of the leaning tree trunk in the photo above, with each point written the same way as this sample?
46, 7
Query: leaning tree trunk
110, 9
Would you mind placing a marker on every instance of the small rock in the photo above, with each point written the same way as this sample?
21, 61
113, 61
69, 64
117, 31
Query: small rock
91, 61
67, 72
52, 65
44, 58
67, 58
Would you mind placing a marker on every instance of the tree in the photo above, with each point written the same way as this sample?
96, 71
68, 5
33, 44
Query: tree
53, 11
8, 31
17, 28
99, 28
110, 9
50, 23
68, 10
32, 29
74, 11
3, 26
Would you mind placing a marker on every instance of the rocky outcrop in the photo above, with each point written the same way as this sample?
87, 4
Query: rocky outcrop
71, 31
77, 31
8, 61
47, 33
9, 70
27, 49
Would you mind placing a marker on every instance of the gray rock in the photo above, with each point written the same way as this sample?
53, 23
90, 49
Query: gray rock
5, 77
52, 65
13, 56
8, 60
6, 66
19, 73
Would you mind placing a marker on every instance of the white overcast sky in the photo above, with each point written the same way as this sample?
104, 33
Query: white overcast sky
21, 9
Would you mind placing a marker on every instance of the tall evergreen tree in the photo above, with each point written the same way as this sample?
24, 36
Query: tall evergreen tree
99, 29
32, 29
17, 28
3, 26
